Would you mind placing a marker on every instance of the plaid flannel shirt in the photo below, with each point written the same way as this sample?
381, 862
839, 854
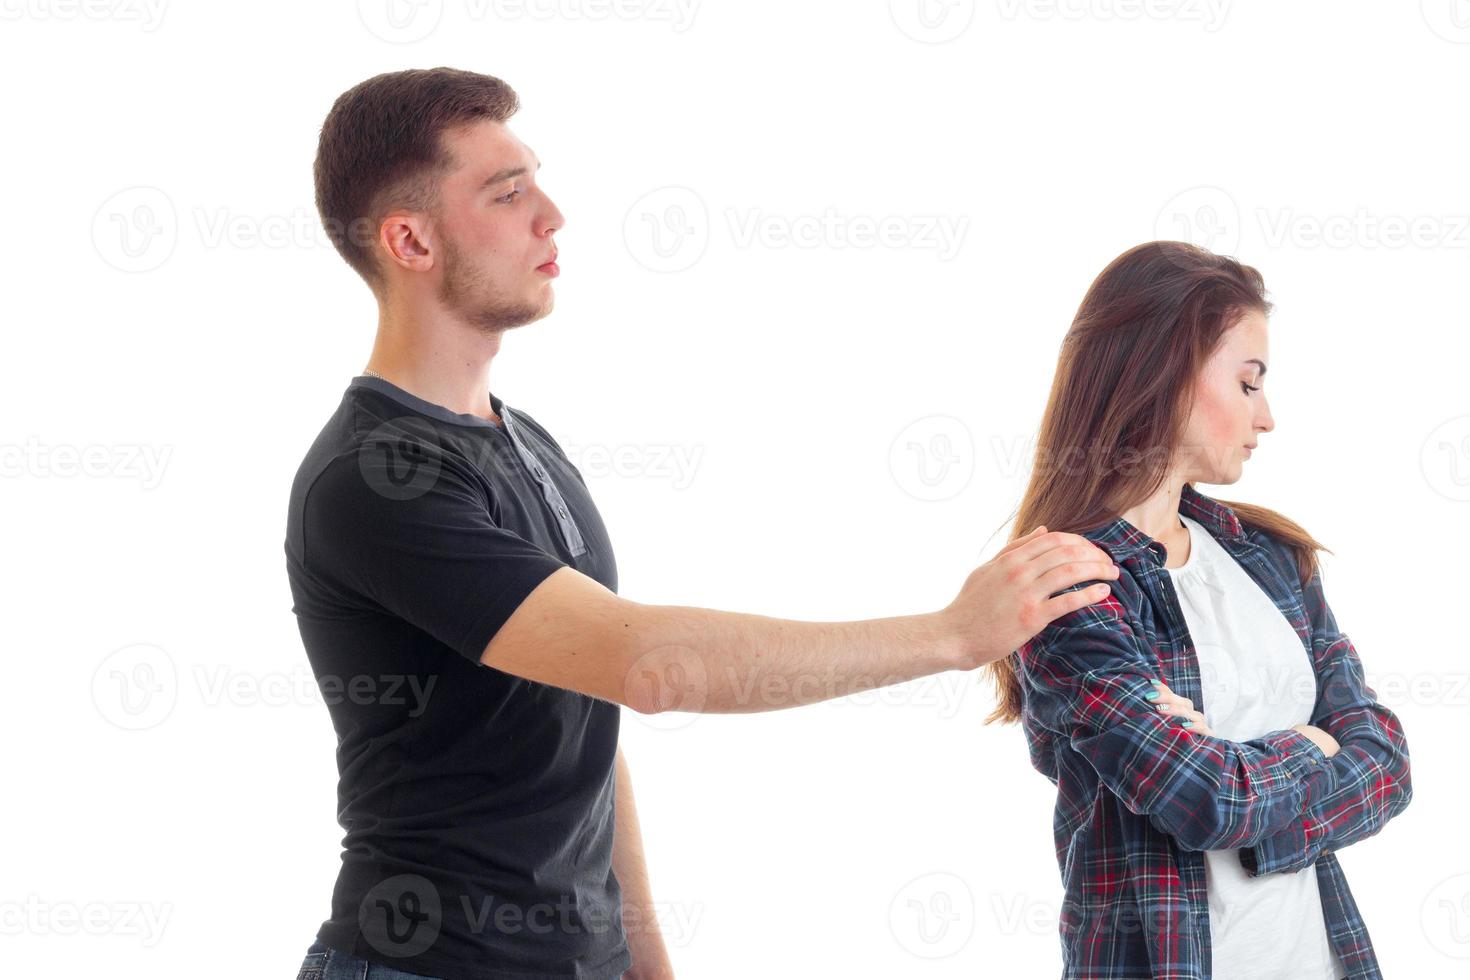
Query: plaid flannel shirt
1139, 797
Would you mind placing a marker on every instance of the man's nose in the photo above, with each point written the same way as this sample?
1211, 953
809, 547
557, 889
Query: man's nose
553, 219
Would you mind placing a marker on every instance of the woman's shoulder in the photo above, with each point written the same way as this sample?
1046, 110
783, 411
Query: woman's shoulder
1284, 553
1285, 543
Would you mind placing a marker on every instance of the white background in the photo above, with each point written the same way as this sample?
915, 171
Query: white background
177, 322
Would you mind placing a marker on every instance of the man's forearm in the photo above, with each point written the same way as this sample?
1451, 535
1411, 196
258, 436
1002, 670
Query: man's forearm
573, 632
690, 659
640, 924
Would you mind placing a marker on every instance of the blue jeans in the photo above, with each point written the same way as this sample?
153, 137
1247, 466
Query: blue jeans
325, 963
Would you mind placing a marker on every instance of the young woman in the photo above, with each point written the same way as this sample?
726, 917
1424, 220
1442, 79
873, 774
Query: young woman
1207, 725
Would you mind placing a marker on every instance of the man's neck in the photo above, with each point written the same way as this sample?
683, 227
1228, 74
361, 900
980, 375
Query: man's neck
444, 374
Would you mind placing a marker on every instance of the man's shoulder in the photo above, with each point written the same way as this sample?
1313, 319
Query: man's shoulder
337, 470
339, 435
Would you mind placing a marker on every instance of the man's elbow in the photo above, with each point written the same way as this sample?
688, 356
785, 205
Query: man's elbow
664, 678
641, 699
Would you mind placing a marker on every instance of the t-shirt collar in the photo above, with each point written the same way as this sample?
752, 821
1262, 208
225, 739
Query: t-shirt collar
429, 408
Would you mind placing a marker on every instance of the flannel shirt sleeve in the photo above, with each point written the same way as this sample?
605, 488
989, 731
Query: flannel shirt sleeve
1367, 782
1084, 679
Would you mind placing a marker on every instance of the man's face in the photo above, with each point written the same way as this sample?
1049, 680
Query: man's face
493, 231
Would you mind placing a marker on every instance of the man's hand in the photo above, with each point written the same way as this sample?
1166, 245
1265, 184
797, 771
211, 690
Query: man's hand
1005, 601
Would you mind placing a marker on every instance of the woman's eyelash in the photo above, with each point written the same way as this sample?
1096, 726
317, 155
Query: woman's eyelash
1248, 387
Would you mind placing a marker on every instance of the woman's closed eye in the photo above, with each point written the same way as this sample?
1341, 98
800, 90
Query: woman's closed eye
1248, 387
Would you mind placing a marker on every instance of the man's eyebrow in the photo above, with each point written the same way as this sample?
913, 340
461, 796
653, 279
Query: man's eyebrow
1259, 362
500, 176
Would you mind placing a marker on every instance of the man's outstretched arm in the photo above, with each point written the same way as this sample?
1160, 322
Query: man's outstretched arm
573, 633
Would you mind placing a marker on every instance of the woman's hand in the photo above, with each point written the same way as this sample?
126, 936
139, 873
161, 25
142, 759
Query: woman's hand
1176, 706
1324, 741
1182, 708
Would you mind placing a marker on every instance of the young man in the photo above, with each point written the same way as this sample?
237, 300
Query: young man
456, 591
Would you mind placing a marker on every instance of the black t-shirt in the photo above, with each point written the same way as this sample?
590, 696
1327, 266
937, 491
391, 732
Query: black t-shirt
478, 806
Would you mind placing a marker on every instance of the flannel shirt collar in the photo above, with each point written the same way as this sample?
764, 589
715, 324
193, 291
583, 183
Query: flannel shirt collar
1122, 540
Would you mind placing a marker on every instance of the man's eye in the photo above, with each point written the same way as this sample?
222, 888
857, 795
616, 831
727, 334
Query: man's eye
507, 198
1248, 388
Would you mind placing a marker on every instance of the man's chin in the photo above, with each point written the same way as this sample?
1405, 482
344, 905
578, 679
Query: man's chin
508, 318
539, 311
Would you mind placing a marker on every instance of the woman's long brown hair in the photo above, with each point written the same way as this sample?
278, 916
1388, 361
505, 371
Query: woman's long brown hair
1123, 387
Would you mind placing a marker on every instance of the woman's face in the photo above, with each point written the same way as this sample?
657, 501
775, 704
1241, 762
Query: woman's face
1229, 410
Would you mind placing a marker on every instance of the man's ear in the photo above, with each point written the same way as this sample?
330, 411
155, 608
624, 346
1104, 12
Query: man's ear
406, 239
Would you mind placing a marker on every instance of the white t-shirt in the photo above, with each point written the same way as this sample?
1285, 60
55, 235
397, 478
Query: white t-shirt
1256, 678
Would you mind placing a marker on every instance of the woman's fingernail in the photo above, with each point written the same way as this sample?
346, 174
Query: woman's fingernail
1157, 683
1187, 724
1152, 695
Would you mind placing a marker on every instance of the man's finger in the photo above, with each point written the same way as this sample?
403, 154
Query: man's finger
1021, 540
1058, 606
1041, 544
